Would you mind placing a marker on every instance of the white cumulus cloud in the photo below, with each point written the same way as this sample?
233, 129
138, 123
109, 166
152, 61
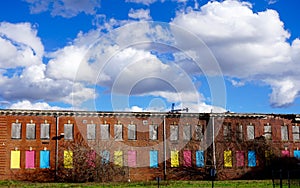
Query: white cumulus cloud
64, 8
139, 14
247, 45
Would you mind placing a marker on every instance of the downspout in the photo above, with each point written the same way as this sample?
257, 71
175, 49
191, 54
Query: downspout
165, 148
213, 140
56, 145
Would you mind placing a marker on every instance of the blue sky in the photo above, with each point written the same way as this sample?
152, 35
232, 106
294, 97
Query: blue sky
144, 55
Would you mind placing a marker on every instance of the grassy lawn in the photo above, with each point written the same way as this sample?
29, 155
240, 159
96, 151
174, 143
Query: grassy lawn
152, 184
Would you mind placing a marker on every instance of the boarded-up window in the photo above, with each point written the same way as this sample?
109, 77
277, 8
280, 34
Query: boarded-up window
91, 131
228, 158
68, 131
45, 131
296, 133
187, 158
285, 153
29, 159
45, 159
153, 132
153, 159
239, 132
251, 159
199, 158
68, 159
227, 131
30, 131
174, 158
198, 132
297, 154
15, 159
268, 131
268, 155
131, 158
91, 158
284, 133
174, 132
118, 130
240, 158
105, 155
186, 132
104, 131
131, 132
250, 132
16, 130
118, 158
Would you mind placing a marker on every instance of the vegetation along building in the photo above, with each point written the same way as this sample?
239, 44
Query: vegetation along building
141, 146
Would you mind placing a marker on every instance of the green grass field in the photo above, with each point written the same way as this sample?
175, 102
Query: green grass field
152, 184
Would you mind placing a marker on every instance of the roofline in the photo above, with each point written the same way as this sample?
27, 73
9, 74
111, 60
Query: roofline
75, 113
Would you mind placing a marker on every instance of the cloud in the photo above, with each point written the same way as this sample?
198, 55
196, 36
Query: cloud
192, 108
145, 2
270, 2
139, 14
247, 45
149, 59
284, 92
27, 105
20, 45
23, 73
64, 8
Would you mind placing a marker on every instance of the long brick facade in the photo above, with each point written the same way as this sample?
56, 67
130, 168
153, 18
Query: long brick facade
143, 145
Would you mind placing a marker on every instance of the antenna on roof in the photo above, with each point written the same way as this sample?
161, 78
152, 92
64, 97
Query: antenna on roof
177, 110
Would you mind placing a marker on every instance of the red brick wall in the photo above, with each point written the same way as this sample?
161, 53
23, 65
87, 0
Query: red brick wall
142, 144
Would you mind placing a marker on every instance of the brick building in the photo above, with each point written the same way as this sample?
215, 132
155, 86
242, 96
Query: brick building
144, 145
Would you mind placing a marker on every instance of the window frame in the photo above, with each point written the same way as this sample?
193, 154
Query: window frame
104, 131
45, 136
153, 158
268, 131
174, 132
131, 132
30, 131
91, 131
227, 131
198, 132
118, 128
239, 132
153, 132
16, 134
68, 134
187, 137
248, 132
285, 128
296, 133
30, 158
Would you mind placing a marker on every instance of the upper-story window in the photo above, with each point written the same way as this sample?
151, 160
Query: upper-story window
268, 131
91, 131
30, 131
68, 131
45, 131
250, 132
153, 132
284, 133
174, 132
187, 132
227, 131
16, 130
198, 132
118, 131
131, 132
239, 132
296, 132
104, 131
